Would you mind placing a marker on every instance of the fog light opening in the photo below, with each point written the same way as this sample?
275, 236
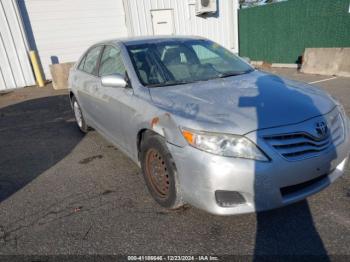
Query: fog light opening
229, 198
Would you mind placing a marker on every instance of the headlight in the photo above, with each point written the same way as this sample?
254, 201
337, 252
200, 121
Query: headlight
224, 145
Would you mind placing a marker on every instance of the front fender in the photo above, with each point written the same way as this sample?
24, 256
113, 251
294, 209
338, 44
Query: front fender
165, 125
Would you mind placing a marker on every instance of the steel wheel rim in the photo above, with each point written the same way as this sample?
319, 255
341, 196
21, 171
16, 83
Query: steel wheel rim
157, 173
77, 113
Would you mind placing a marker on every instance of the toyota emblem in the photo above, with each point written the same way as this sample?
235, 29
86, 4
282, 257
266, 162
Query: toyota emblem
321, 129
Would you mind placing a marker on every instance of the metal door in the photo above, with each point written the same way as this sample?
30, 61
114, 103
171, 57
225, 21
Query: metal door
163, 22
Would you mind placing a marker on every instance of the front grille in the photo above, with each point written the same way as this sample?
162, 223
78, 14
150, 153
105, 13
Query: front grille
301, 145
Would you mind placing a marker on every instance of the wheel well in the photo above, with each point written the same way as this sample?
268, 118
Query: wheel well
140, 135
71, 95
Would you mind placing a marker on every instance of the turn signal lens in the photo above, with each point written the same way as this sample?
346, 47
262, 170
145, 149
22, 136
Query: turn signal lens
188, 136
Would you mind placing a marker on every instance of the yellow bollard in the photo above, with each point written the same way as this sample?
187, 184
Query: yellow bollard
36, 67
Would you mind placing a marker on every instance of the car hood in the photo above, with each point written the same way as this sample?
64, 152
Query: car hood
241, 104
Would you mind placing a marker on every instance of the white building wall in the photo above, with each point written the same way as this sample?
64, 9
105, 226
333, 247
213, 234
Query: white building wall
221, 27
63, 29
15, 68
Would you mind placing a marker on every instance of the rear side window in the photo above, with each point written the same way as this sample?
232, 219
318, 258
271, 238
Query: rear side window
111, 62
81, 65
89, 62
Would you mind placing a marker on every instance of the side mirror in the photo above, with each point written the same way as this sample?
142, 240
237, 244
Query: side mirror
115, 80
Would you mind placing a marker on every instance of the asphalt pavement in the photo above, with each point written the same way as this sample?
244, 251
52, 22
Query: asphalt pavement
62, 193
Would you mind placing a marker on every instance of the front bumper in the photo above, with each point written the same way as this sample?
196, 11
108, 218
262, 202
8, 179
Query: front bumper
201, 174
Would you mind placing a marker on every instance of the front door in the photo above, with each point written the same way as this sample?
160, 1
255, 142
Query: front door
114, 103
163, 22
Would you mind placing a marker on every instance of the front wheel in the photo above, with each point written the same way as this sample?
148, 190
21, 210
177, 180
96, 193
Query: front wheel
79, 118
160, 172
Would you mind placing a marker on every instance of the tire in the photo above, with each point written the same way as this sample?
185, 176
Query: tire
79, 118
159, 172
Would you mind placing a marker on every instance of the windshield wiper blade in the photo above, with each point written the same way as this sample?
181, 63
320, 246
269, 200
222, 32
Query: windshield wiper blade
170, 84
162, 84
174, 83
234, 73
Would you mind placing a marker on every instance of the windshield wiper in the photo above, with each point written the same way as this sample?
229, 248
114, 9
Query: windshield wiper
170, 83
174, 83
235, 73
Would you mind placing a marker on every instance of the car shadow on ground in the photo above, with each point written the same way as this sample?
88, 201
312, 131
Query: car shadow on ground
288, 231
34, 135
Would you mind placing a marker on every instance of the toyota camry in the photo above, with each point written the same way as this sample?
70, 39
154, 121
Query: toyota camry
206, 128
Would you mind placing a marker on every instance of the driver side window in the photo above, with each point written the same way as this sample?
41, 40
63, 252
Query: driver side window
111, 62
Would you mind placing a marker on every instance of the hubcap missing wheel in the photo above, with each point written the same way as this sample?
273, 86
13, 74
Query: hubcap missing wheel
157, 173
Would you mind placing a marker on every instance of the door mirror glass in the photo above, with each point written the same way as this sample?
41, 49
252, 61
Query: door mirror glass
114, 80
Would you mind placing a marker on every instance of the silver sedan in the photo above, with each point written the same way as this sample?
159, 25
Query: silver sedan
206, 128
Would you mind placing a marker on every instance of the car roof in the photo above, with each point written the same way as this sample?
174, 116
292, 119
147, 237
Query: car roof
149, 39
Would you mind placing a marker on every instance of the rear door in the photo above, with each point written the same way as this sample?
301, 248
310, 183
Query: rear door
87, 80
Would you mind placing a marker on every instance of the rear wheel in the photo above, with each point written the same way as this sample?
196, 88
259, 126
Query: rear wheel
160, 172
79, 118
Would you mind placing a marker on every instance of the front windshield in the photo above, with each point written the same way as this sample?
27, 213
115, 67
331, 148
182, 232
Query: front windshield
177, 62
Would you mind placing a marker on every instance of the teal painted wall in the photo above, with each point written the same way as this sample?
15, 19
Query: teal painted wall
280, 32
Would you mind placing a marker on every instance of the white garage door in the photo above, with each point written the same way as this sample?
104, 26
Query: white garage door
62, 29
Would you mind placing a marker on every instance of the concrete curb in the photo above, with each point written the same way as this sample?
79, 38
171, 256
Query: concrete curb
277, 65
